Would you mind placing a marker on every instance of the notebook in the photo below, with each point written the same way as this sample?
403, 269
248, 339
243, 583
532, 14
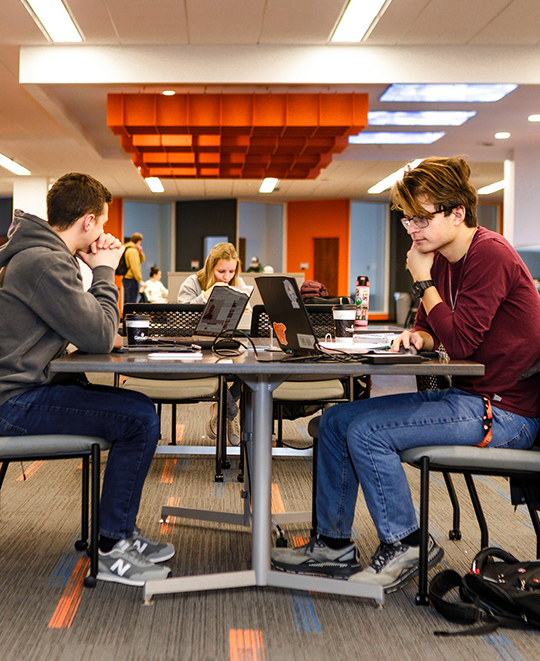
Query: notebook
294, 332
222, 312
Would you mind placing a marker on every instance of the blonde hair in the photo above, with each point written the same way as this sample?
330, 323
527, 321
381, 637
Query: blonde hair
220, 251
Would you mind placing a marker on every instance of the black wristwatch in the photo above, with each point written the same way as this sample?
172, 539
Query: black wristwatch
418, 288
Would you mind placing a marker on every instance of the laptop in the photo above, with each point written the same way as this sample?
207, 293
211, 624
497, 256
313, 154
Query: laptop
222, 312
294, 332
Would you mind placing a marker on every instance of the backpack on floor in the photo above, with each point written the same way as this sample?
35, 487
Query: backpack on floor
499, 591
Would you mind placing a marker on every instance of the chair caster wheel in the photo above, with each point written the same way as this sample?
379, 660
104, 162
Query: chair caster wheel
90, 582
281, 543
218, 478
225, 464
240, 478
454, 535
421, 600
81, 545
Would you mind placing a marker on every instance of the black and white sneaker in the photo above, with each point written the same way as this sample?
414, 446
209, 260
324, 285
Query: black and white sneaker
317, 558
124, 564
153, 551
395, 564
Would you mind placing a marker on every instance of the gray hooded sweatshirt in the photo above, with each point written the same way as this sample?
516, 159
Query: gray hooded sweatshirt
43, 306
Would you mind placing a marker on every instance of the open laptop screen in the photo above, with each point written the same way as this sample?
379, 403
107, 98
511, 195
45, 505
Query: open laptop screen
223, 311
288, 315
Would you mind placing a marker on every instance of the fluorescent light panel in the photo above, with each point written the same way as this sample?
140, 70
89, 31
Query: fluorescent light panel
154, 184
268, 185
359, 16
55, 20
389, 181
10, 165
492, 188
396, 138
419, 117
447, 92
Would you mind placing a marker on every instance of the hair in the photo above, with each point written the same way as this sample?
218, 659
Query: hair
154, 271
75, 195
135, 238
444, 182
224, 251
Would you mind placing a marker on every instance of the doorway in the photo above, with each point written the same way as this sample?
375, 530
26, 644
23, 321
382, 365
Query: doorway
326, 264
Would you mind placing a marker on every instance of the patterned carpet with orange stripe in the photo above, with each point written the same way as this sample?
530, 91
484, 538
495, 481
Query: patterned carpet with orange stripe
47, 614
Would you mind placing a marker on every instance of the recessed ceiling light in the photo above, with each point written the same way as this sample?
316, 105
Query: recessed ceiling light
358, 18
268, 185
534, 118
53, 18
492, 188
502, 135
447, 92
154, 184
419, 117
396, 138
10, 165
168, 92
389, 181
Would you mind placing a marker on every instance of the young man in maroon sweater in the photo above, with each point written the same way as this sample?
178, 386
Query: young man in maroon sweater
479, 301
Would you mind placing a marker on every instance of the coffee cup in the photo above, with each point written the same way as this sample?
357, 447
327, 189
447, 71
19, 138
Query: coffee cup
136, 327
343, 322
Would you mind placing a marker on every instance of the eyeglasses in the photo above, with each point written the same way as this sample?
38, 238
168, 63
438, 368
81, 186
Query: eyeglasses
420, 222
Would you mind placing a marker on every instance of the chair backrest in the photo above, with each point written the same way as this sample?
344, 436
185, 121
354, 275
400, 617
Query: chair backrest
168, 319
321, 317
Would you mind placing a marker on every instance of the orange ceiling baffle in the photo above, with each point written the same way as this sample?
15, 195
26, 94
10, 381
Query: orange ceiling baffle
290, 136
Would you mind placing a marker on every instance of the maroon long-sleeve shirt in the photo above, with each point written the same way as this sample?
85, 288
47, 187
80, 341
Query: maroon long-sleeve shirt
495, 321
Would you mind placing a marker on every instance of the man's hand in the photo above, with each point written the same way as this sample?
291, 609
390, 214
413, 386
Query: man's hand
419, 264
419, 340
105, 251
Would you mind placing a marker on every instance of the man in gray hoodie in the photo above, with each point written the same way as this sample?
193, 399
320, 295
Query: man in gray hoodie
44, 308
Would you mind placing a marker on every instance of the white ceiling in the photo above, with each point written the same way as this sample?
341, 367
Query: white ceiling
55, 120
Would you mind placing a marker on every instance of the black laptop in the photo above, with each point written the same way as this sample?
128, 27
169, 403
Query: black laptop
292, 326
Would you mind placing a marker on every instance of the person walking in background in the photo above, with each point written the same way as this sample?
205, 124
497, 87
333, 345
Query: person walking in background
133, 278
153, 289
221, 267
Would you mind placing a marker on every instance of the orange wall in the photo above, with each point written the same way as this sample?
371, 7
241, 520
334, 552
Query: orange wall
319, 219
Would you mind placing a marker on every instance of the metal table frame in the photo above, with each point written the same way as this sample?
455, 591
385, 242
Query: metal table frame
262, 379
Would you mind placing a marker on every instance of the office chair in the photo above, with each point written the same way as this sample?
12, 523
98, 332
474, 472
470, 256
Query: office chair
179, 320
65, 446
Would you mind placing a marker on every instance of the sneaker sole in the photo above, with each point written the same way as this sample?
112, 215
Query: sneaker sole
414, 571
113, 578
342, 572
210, 433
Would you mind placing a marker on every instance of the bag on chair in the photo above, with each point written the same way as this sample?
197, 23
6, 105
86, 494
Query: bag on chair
499, 591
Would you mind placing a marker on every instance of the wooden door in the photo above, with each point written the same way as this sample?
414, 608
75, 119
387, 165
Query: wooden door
326, 264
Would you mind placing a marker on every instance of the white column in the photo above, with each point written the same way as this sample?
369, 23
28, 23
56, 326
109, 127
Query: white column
509, 200
526, 208
30, 195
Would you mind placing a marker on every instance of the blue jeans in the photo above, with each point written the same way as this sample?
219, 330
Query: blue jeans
359, 443
125, 418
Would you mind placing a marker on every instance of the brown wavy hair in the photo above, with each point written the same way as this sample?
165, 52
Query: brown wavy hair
445, 182
224, 251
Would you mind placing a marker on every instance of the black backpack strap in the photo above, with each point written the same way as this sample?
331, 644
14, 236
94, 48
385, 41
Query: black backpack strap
459, 612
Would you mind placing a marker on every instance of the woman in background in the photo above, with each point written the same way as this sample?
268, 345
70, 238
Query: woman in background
221, 268
154, 289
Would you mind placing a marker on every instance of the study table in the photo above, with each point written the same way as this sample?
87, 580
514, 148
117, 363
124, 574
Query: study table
261, 378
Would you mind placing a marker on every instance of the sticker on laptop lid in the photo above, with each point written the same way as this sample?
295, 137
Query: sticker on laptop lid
280, 330
305, 341
291, 294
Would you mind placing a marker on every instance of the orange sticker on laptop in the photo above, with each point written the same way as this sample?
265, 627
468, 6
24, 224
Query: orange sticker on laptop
280, 331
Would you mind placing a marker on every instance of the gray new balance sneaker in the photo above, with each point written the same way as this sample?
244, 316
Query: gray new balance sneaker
316, 557
124, 564
153, 551
393, 565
